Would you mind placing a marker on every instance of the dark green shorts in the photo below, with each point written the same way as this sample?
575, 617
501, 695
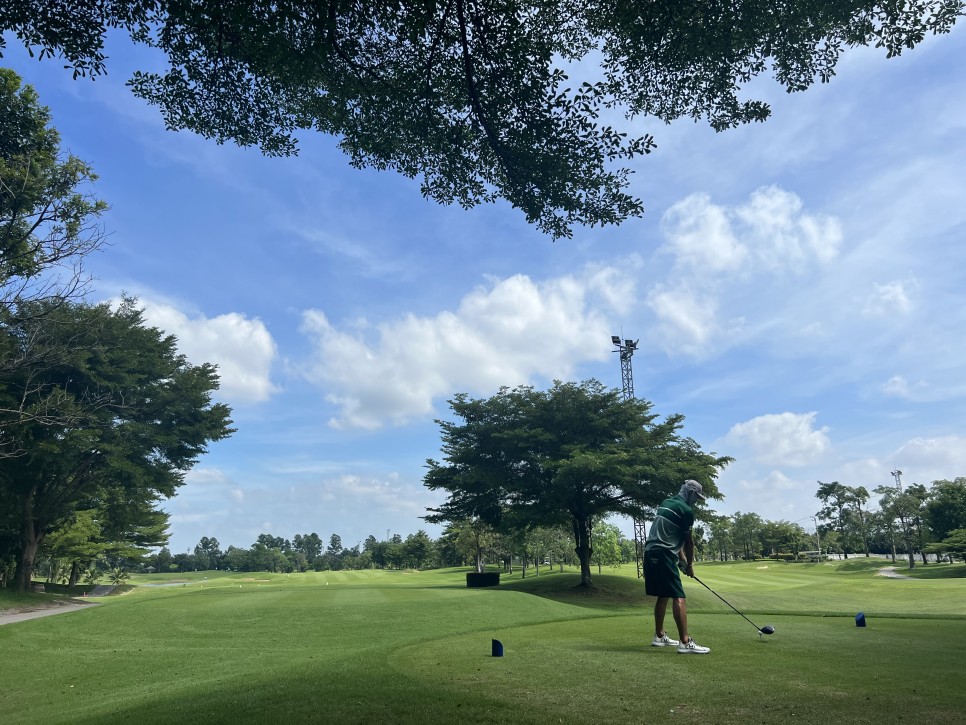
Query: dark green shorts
661, 577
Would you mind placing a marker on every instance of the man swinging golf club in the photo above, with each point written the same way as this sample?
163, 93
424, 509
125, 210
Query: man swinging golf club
669, 546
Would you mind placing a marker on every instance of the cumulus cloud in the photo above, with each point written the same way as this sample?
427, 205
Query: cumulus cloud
504, 333
242, 348
700, 235
928, 459
780, 236
770, 232
721, 253
687, 319
783, 439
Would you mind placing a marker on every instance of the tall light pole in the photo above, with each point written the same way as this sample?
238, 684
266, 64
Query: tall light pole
897, 474
626, 348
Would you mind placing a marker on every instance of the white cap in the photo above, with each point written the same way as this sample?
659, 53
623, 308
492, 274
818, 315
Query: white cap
692, 487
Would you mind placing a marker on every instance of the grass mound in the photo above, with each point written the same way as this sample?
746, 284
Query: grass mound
609, 591
935, 571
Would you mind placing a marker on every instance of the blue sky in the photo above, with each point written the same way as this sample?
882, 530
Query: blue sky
796, 286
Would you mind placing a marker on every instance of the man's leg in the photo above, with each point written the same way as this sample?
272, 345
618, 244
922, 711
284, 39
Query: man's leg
680, 611
660, 609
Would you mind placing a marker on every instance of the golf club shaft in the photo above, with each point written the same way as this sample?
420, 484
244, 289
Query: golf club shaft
726, 602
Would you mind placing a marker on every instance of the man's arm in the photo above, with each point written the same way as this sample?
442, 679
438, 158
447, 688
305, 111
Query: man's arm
687, 555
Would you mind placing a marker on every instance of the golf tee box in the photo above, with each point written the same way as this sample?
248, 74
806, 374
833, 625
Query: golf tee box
497, 648
860, 619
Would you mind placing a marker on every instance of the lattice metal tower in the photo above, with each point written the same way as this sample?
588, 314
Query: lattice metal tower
626, 349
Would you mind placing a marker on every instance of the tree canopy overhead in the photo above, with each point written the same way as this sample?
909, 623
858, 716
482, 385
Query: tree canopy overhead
479, 99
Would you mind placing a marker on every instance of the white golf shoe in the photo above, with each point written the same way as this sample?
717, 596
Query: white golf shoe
664, 641
692, 648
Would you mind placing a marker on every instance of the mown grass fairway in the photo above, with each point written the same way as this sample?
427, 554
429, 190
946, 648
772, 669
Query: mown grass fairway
415, 647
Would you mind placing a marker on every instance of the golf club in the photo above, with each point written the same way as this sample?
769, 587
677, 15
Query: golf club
767, 629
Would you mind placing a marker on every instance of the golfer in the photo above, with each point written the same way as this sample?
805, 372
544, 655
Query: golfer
669, 546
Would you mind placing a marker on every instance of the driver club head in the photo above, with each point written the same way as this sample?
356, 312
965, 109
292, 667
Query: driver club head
767, 629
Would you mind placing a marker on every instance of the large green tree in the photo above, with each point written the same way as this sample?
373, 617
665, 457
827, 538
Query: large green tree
746, 530
48, 220
48, 223
843, 509
565, 456
606, 545
900, 508
131, 416
481, 99
946, 507
720, 541
309, 545
208, 553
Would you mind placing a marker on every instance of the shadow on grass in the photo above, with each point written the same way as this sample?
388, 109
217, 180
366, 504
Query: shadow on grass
935, 571
608, 591
862, 565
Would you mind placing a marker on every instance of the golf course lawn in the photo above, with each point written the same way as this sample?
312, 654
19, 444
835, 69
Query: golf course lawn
378, 646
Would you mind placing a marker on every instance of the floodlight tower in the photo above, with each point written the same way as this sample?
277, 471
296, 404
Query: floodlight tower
626, 350
897, 474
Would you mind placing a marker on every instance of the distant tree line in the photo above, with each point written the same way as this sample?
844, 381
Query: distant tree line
913, 520
459, 545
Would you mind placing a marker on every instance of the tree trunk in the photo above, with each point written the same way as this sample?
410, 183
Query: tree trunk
31, 537
909, 546
922, 553
25, 563
480, 566
583, 550
74, 575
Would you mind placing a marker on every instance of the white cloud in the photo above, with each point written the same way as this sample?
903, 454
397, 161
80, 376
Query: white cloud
899, 387
242, 348
700, 235
783, 439
731, 265
686, 320
206, 476
388, 495
504, 333
889, 299
780, 236
769, 233
927, 459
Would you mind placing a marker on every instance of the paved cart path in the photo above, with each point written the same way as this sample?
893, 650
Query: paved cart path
50, 607
9, 616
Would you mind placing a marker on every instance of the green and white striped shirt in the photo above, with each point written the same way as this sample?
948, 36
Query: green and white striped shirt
673, 520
